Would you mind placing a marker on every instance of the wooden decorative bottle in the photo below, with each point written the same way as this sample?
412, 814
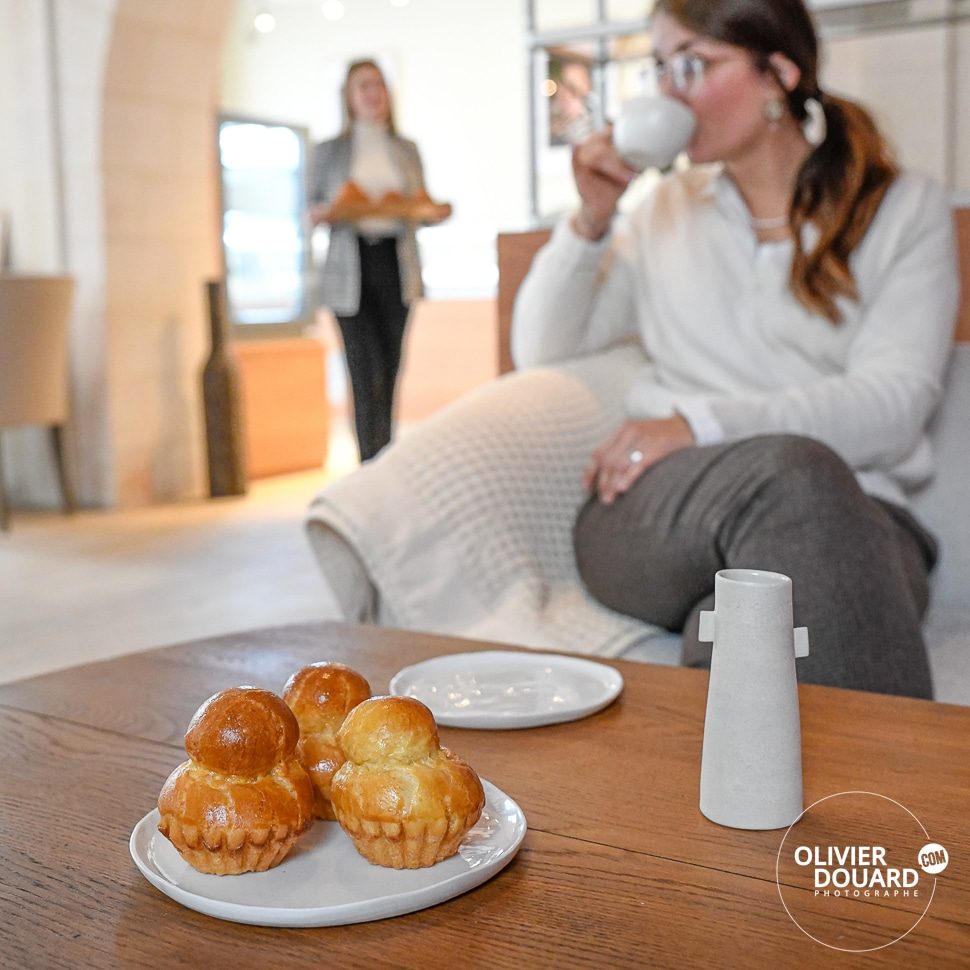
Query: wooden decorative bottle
223, 408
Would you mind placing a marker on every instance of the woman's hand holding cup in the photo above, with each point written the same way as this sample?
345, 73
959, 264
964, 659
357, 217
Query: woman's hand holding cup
650, 133
601, 178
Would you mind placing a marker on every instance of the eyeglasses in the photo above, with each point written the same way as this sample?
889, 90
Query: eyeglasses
685, 70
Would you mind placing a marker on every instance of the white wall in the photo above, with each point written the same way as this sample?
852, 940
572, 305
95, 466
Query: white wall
458, 72
26, 156
48, 236
917, 82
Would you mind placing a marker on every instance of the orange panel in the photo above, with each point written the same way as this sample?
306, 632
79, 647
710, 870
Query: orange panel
515, 252
962, 217
284, 403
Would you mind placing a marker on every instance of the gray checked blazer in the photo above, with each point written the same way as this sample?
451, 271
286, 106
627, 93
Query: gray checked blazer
339, 280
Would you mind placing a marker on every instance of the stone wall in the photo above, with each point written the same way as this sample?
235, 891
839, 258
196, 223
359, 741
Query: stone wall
109, 172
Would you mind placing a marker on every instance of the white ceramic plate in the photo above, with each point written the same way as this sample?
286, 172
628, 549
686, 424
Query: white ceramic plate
503, 689
324, 881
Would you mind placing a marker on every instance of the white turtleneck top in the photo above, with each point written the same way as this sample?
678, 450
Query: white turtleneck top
373, 169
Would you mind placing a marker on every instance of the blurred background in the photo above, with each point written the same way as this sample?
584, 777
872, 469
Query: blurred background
149, 146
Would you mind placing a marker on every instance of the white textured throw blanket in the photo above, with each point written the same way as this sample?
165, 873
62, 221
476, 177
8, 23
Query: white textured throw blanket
465, 524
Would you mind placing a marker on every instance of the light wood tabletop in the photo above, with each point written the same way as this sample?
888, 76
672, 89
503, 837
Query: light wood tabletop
618, 868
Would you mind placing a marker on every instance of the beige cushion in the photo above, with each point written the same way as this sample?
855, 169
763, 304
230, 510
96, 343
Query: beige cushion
34, 317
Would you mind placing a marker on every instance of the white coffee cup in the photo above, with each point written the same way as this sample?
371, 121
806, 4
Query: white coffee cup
652, 131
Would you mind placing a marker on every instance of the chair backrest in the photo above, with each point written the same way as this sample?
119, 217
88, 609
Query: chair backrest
35, 312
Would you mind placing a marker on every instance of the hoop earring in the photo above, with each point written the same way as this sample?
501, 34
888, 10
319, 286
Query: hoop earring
814, 127
774, 111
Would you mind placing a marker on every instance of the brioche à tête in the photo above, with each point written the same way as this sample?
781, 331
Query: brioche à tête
351, 204
242, 799
405, 801
321, 695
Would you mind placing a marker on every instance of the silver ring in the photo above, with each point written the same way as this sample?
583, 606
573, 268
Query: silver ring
636, 456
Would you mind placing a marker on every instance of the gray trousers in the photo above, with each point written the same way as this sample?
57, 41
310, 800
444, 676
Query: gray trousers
859, 566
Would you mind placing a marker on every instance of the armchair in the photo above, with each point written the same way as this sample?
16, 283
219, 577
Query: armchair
34, 317
464, 526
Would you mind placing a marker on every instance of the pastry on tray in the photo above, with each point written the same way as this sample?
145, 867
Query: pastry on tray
351, 204
242, 799
405, 801
392, 205
424, 209
321, 695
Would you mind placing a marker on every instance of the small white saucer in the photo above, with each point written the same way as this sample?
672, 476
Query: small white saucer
499, 689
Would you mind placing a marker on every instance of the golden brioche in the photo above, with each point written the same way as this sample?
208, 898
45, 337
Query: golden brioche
424, 209
405, 801
350, 204
352, 194
393, 205
242, 799
321, 695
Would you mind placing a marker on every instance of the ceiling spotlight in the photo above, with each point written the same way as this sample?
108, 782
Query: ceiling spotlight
332, 9
264, 22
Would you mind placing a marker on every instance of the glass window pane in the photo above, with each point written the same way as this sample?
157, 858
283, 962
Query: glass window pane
624, 11
629, 71
561, 14
263, 229
559, 121
570, 99
628, 47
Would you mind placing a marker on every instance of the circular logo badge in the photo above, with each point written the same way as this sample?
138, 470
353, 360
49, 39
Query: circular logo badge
933, 858
857, 871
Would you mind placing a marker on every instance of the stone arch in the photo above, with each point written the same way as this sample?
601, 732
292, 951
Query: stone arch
160, 239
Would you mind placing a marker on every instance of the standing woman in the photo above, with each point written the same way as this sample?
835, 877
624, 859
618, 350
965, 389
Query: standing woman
794, 292
372, 274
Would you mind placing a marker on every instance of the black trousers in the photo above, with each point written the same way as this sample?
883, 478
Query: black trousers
859, 566
373, 338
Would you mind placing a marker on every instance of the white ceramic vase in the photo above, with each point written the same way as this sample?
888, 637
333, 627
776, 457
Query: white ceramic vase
751, 763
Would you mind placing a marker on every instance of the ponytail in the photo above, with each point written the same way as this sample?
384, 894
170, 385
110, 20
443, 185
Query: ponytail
838, 189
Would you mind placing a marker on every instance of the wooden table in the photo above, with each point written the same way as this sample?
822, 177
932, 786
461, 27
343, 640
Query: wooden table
619, 868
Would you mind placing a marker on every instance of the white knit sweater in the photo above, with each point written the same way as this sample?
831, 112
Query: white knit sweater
729, 346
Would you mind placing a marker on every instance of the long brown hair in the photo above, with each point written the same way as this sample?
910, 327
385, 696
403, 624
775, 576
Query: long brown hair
841, 183
348, 111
